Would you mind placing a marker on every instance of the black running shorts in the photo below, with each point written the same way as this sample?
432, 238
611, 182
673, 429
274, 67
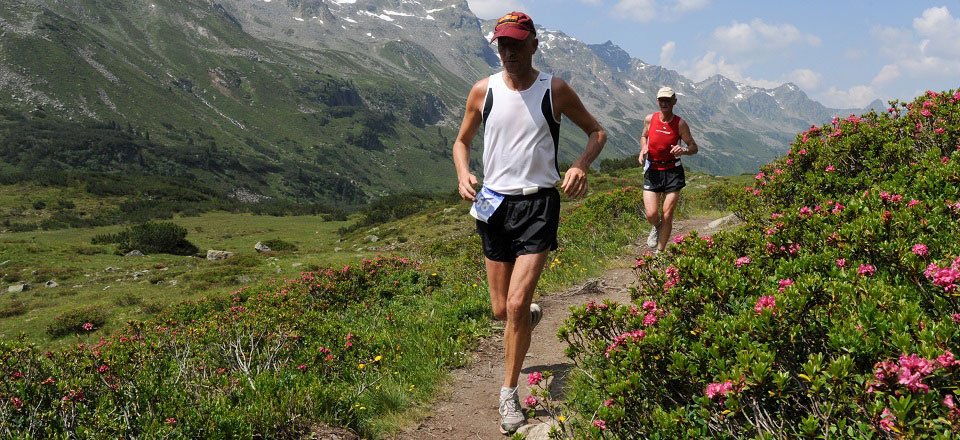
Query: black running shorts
664, 181
522, 225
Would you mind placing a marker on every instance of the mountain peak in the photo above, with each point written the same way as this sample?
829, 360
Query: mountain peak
613, 55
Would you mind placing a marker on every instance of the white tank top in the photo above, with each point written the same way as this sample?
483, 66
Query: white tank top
520, 136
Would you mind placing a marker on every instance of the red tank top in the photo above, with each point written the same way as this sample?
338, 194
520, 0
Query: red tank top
660, 138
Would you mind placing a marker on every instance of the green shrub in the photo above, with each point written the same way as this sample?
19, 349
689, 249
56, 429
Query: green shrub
279, 245
150, 238
12, 308
81, 320
832, 312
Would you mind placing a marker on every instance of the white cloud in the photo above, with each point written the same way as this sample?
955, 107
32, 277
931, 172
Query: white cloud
666, 53
887, 74
639, 10
760, 36
684, 6
941, 32
494, 8
648, 10
805, 78
856, 96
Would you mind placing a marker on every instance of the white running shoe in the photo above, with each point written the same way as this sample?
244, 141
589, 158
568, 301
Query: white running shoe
654, 236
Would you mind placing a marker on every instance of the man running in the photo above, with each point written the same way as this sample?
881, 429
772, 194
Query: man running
663, 176
518, 206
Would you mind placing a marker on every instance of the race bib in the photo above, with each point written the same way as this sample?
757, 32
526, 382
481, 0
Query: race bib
485, 204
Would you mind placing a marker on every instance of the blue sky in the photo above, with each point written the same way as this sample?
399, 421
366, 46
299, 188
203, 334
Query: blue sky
843, 53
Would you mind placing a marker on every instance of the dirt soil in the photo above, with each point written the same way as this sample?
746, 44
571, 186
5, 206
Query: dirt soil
469, 409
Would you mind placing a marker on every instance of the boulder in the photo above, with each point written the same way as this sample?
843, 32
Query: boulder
260, 247
134, 253
51, 284
213, 254
19, 287
372, 238
725, 221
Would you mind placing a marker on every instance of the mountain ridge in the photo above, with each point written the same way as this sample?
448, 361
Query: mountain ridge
345, 101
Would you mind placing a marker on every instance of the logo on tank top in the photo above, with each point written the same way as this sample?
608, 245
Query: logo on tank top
663, 131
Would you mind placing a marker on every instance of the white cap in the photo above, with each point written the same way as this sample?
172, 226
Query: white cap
665, 92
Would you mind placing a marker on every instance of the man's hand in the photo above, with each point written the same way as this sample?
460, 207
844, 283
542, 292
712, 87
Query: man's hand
677, 150
467, 187
643, 158
574, 182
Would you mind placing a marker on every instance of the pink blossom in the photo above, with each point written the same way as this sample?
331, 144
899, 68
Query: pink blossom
765, 302
948, 401
789, 162
650, 306
913, 369
837, 208
841, 262
530, 401
170, 421
633, 336
534, 378
608, 403
920, 249
885, 196
912, 203
600, 424
678, 239
896, 198
673, 277
650, 319
742, 261
887, 420
830, 168
926, 113
803, 152
302, 367
88, 326
944, 160
947, 359
866, 270
956, 318
775, 215
938, 130
805, 211
784, 283
760, 176
103, 369
719, 389
16, 402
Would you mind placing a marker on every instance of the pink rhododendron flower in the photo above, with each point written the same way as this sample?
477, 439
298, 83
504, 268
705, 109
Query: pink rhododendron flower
170, 421
938, 130
887, 420
805, 211
742, 261
913, 369
765, 302
803, 152
866, 270
947, 359
944, 160
530, 401
784, 283
600, 424
608, 403
678, 239
912, 203
302, 367
760, 176
649, 306
103, 369
896, 198
789, 161
673, 277
717, 390
775, 215
16, 402
956, 318
830, 168
926, 113
88, 326
534, 378
920, 249
649, 320
633, 336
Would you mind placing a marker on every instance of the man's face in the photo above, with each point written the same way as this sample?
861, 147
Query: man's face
516, 55
666, 103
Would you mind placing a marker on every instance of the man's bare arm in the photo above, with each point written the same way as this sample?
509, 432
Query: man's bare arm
472, 116
566, 102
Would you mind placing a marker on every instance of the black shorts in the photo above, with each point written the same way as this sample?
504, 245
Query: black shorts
522, 225
664, 181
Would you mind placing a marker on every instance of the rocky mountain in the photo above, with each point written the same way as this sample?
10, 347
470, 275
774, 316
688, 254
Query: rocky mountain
322, 100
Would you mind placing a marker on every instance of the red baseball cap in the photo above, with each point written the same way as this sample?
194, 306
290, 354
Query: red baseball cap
516, 25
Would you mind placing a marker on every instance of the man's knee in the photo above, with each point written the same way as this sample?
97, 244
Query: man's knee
517, 306
500, 312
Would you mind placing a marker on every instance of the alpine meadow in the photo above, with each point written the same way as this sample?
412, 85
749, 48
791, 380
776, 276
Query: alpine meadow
238, 219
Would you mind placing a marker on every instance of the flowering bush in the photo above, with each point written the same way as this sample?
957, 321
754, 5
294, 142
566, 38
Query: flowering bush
338, 346
833, 311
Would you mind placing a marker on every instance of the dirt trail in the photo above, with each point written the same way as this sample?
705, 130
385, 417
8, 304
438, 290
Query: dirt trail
469, 410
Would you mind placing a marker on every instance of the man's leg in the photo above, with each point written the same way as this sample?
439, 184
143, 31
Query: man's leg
516, 337
651, 207
498, 280
666, 225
